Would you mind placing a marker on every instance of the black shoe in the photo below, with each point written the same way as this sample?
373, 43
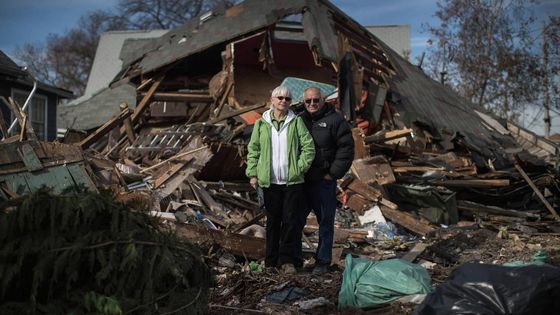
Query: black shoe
320, 269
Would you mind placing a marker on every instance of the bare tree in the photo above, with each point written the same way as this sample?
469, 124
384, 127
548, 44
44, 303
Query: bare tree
488, 50
65, 59
550, 45
165, 14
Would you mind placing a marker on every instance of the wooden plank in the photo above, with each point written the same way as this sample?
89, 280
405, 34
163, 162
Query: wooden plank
241, 245
417, 169
414, 252
171, 171
23, 126
389, 135
360, 149
365, 190
254, 220
236, 113
127, 124
3, 126
238, 187
206, 198
481, 183
470, 206
175, 157
145, 100
184, 97
103, 130
407, 221
372, 170
358, 203
14, 107
537, 191
223, 99
201, 157
29, 158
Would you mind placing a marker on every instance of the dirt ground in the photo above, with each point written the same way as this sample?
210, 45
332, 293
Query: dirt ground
245, 292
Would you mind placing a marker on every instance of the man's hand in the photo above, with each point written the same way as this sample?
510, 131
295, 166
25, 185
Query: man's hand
253, 182
328, 177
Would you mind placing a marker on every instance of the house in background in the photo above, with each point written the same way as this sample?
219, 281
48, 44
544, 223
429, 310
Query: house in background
17, 84
111, 48
395, 36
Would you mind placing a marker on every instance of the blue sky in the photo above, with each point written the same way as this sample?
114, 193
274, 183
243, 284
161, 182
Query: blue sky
24, 21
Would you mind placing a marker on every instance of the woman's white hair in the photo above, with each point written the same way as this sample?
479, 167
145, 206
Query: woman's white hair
281, 91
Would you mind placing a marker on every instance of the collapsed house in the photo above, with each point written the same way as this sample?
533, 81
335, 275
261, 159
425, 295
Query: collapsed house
172, 126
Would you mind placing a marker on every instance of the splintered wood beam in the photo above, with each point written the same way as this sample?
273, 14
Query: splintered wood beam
364, 190
103, 130
185, 97
241, 245
146, 99
482, 183
3, 126
414, 252
236, 113
538, 192
223, 99
470, 206
175, 157
389, 135
23, 126
20, 116
127, 124
408, 221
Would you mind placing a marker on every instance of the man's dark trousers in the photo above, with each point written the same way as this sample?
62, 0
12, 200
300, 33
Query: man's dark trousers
321, 196
285, 210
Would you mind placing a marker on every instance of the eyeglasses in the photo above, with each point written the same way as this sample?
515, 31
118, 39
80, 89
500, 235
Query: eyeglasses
312, 100
287, 98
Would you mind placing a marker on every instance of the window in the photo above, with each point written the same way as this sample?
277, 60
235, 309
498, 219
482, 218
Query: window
36, 110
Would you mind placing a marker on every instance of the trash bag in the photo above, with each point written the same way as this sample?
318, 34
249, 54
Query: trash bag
539, 258
369, 283
475, 288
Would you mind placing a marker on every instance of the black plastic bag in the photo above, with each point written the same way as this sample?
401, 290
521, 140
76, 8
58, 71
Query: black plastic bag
475, 288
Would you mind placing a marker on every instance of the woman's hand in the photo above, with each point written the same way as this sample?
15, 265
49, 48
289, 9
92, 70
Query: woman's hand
253, 182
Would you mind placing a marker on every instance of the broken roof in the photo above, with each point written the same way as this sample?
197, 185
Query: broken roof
242, 19
96, 110
16, 74
107, 62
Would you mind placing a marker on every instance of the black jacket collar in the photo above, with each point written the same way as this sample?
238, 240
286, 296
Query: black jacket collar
326, 110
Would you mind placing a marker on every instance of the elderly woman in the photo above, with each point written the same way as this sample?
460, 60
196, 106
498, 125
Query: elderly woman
280, 152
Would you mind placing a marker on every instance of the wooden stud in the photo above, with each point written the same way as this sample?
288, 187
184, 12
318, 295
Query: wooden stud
103, 130
537, 191
127, 124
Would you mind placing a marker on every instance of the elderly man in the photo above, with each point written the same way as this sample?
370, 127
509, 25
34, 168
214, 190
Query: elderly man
334, 153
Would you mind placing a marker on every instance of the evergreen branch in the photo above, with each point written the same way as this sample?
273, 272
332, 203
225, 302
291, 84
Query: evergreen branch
107, 244
186, 305
152, 301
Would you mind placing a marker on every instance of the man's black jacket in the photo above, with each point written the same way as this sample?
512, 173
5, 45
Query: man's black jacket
334, 145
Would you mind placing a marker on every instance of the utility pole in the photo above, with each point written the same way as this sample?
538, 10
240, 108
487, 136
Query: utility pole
545, 82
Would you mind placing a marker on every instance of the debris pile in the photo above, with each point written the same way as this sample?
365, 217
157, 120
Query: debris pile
435, 180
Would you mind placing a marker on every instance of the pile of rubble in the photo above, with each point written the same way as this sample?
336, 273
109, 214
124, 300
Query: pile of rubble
435, 181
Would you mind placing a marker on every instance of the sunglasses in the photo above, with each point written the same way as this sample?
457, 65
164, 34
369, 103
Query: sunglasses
312, 100
287, 98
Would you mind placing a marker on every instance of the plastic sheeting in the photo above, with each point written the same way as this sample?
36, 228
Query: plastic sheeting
369, 283
491, 289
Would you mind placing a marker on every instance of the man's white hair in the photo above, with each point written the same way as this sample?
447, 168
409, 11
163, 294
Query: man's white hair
313, 88
281, 91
